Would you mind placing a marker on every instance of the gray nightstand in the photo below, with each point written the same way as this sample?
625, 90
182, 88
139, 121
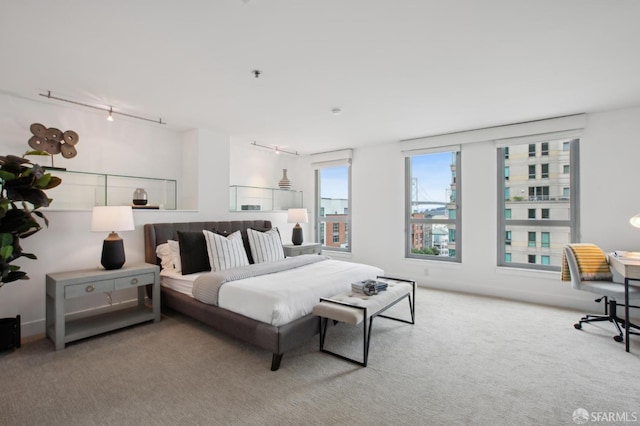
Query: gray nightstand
306, 248
67, 285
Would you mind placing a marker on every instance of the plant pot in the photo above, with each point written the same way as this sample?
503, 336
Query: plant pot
9, 333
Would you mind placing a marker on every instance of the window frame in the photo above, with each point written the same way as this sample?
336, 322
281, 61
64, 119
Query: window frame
541, 224
457, 221
321, 219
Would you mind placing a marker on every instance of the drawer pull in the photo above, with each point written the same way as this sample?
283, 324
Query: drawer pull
89, 288
134, 281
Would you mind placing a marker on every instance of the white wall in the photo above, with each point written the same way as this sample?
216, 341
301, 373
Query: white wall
205, 162
608, 164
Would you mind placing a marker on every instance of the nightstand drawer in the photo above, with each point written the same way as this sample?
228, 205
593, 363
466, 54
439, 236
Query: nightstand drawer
134, 281
79, 290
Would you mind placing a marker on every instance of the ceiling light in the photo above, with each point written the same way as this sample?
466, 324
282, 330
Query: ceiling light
110, 117
336, 111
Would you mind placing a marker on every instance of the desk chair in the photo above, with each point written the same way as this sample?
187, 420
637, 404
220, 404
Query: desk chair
599, 283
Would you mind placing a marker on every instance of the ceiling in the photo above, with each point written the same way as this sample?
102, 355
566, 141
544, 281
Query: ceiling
398, 69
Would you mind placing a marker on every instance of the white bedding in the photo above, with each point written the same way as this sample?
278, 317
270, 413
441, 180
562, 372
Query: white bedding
285, 296
174, 280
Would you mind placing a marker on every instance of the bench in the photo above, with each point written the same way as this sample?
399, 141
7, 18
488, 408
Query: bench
355, 308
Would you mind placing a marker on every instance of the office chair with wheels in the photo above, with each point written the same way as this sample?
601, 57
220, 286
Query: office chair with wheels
588, 269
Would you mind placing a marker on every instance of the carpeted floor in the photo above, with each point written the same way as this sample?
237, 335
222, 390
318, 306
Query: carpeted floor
469, 360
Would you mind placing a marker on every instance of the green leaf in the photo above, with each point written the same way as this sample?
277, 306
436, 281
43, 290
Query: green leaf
4, 175
43, 153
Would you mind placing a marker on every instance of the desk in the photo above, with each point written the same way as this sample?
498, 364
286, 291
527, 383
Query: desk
630, 270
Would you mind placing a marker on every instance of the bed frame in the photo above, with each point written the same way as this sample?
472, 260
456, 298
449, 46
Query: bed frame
277, 340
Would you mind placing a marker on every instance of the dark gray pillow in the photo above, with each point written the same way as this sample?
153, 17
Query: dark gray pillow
193, 252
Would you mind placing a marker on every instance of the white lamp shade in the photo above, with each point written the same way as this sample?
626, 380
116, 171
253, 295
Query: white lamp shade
635, 220
297, 216
112, 219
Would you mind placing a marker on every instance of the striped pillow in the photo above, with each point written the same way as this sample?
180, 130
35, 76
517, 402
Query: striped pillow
225, 252
265, 246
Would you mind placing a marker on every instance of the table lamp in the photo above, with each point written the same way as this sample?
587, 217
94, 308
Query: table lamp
112, 219
297, 216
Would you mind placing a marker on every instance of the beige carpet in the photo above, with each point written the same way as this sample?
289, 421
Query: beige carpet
468, 360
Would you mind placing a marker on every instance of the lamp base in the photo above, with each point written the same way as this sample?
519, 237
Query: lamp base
296, 236
112, 252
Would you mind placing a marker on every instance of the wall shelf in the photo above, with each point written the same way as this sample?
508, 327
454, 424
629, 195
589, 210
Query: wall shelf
252, 198
84, 190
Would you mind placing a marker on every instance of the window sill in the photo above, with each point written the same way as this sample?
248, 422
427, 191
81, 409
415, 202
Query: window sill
520, 272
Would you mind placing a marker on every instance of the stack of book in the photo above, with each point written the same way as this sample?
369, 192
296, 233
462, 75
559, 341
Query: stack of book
359, 287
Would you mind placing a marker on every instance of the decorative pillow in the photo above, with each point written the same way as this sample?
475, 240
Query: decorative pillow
164, 254
193, 252
174, 249
265, 246
225, 252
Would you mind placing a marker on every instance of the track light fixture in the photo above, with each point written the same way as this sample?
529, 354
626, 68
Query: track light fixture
109, 110
276, 150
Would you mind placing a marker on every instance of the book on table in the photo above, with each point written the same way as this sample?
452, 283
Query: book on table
359, 285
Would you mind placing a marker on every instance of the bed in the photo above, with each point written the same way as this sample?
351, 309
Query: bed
277, 336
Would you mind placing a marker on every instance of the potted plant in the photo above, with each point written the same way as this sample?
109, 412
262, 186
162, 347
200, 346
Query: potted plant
22, 186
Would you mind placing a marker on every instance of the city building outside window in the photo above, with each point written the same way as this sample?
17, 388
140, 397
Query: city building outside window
333, 189
433, 205
533, 239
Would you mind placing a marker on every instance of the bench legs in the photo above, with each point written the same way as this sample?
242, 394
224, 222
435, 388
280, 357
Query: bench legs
366, 331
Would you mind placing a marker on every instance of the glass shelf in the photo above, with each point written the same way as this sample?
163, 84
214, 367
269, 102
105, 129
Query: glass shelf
251, 198
83, 190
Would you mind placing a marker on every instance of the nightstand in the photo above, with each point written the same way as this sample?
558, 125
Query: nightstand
291, 250
62, 286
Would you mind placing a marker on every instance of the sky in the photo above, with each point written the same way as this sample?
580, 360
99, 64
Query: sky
432, 171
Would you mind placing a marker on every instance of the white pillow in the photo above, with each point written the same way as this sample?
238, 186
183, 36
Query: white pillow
174, 248
265, 246
164, 253
225, 252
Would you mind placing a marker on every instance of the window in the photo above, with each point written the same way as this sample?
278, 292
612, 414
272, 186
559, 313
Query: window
544, 171
333, 189
506, 172
532, 150
545, 239
527, 224
433, 206
532, 171
506, 152
538, 193
506, 193
544, 148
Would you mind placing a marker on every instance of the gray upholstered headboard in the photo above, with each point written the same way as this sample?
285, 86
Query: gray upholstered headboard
158, 233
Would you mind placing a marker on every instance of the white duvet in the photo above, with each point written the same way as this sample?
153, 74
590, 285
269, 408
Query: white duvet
283, 297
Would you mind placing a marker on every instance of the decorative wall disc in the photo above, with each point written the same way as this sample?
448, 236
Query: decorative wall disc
68, 151
39, 130
53, 141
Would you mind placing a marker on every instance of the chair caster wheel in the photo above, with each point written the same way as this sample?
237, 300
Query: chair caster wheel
578, 326
618, 338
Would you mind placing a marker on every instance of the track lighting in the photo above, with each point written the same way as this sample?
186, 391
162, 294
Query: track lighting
276, 150
109, 110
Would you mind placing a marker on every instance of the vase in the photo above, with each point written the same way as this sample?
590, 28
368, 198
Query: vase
284, 183
139, 197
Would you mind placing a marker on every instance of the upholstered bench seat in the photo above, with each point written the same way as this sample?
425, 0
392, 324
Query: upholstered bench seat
355, 308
